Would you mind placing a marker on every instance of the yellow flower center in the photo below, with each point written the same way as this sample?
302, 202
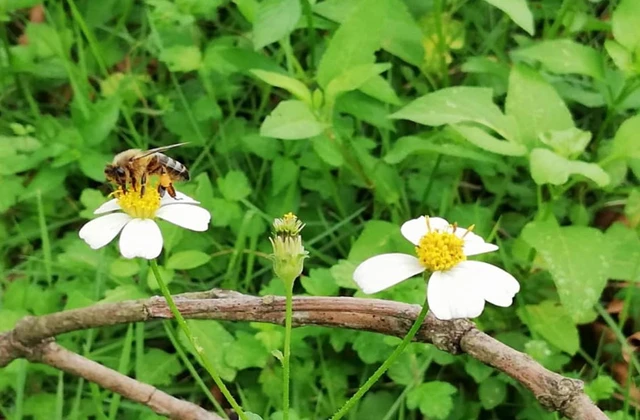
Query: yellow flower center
440, 251
134, 205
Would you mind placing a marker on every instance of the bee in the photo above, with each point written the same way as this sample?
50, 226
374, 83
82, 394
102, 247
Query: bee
134, 166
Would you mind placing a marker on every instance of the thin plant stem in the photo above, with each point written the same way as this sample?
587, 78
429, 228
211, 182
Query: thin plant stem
287, 351
187, 332
383, 368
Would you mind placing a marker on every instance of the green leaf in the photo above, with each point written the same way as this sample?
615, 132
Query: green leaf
371, 347
626, 143
477, 370
354, 43
535, 104
601, 388
518, 11
482, 139
101, 121
214, 340
568, 143
576, 260
291, 85
379, 88
167, 277
235, 186
620, 56
552, 322
320, 282
377, 237
274, 20
353, 78
625, 24
624, 246
401, 35
158, 367
187, 260
246, 352
365, 108
433, 398
492, 393
124, 268
549, 168
122, 293
92, 164
292, 120
459, 104
564, 56
410, 145
182, 58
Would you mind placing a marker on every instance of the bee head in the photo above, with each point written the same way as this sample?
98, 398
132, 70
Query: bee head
115, 173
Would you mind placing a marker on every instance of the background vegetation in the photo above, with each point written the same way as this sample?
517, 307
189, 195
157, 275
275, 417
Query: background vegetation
518, 116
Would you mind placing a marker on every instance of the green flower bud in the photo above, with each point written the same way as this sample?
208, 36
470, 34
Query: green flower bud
288, 252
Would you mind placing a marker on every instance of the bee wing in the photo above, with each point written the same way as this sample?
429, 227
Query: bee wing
159, 149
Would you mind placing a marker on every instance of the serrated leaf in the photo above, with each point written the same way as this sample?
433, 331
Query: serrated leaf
518, 11
158, 367
101, 121
410, 145
166, 274
214, 339
567, 143
246, 352
492, 393
292, 120
548, 167
353, 78
274, 20
182, 58
552, 322
626, 143
535, 104
576, 260
354, 43
320, 282
625, 24
124, 267
601, 388
624, 246
187, 260
291, 85
434, 399
328, 150
486, 141
564, 56
371, 347
234, 186
456, 105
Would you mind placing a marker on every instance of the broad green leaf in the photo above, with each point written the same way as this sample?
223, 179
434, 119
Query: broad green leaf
535, 104
320, 282
486, 141
246, 352
158, 367
410, 145
477, 370
92, 164
492, 393
214, 341
101, 121
625, 23
434, 399
552, 322
568, 143
284, 174
564, 56
459, 104
371, 347
548, 167
293, 86
354, 43
187, 260
601, 388
328, 150
353, 78
292, 120
122, 293
165, 273
11, 5
182, 58
227, 60
234, 186
577, 261
518, 11
274, 20
626, 143
624, 257
379, 88
377, 237
365, 108
620, 56
124, 267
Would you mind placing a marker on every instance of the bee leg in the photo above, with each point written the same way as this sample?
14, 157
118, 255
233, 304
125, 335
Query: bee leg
143, 184
167, 185
172, 192
133, 184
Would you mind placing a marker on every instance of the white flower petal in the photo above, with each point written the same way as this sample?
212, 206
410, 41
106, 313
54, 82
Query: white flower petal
188, 216
414, 229
141, 238
475, 248
111, 205
100, 231
383, 271
498, 286
454, 294
180, 199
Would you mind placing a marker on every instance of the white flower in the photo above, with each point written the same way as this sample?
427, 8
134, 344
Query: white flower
134, 216
457, 288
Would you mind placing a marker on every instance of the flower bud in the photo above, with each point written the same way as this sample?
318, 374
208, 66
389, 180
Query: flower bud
288, 252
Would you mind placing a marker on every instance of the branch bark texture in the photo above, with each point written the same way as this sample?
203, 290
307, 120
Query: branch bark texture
553, 391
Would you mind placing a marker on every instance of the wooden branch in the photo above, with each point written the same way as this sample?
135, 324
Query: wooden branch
50, 353
553, 391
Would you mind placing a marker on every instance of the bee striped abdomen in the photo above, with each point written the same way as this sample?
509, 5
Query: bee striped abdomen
176, 169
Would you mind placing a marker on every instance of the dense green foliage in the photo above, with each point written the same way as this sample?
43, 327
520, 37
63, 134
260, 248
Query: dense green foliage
518, 116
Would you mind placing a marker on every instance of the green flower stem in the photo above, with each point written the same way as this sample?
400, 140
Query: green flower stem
383, 368
187, 332
287, 350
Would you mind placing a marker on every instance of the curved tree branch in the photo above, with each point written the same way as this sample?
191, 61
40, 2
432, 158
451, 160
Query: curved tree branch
553, 391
